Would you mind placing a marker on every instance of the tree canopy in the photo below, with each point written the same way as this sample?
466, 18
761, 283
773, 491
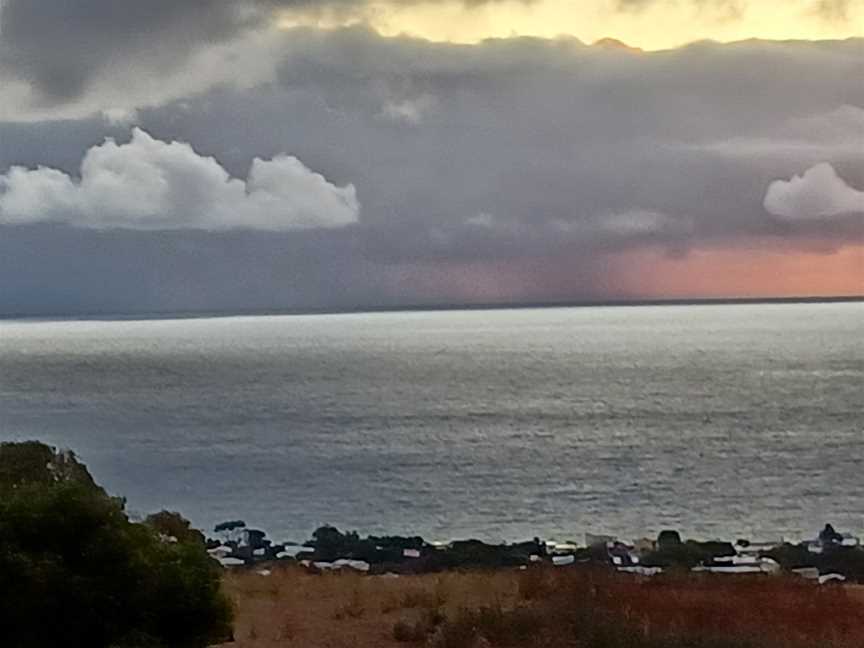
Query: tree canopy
75, 571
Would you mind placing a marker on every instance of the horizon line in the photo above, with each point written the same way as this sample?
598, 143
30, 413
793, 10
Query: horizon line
107, 316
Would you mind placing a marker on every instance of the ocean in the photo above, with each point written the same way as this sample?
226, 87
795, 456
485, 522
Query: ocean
718, 420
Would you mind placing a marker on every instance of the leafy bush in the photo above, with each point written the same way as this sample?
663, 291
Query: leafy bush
492, 624
75, 571
31, 462
687, 554
174, 525
848, 561
408, 632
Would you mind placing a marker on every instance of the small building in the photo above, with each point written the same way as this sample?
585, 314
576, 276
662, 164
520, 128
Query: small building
848, 540
639, 570
337, 565
561, 548
756, 549
220, 552
826, 579
228, 561
740, 565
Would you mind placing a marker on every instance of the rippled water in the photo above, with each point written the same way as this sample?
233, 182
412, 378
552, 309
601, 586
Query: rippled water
717, 420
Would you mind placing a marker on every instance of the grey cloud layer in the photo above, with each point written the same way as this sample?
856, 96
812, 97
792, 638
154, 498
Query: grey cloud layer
59, 47
541, 154
538, 133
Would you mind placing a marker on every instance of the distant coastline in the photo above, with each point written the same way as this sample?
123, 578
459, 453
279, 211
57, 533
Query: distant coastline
831, 557
108, 316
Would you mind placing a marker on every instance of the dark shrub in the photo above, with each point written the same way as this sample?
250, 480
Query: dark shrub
74, 571
668, 538
174, 525
420, 629
493, 624
687, 554
31, 462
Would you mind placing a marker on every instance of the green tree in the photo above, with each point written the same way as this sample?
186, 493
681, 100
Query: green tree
75, 571
173, 525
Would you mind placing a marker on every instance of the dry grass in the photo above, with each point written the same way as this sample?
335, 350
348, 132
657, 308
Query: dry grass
293, 608
540, 608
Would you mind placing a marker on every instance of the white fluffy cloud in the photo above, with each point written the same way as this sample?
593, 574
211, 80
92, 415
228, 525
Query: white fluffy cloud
148, 184
817, 194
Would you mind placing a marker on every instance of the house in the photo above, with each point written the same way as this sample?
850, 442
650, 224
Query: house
220, 552
756, 549
561, 549
831, 578
640, 570
356, 565
848, 540
739, 565
728, 569
337, 565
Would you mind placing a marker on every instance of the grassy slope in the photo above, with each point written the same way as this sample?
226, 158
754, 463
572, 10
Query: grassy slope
560, 609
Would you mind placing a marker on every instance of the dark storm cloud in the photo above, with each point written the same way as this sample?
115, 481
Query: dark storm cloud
531, 155
60, 49
59, 46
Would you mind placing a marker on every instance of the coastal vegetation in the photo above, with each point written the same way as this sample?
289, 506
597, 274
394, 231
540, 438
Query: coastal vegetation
832, 556
76, 571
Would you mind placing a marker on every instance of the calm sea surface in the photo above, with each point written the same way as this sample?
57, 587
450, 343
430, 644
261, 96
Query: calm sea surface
716, 420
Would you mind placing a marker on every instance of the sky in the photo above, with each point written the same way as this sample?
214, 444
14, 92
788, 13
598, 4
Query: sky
207, 155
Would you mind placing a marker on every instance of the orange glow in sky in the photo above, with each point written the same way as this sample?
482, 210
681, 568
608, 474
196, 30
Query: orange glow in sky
637, 274
743, 273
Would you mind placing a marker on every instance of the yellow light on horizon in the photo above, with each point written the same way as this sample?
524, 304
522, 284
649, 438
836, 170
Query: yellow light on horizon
662, 25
